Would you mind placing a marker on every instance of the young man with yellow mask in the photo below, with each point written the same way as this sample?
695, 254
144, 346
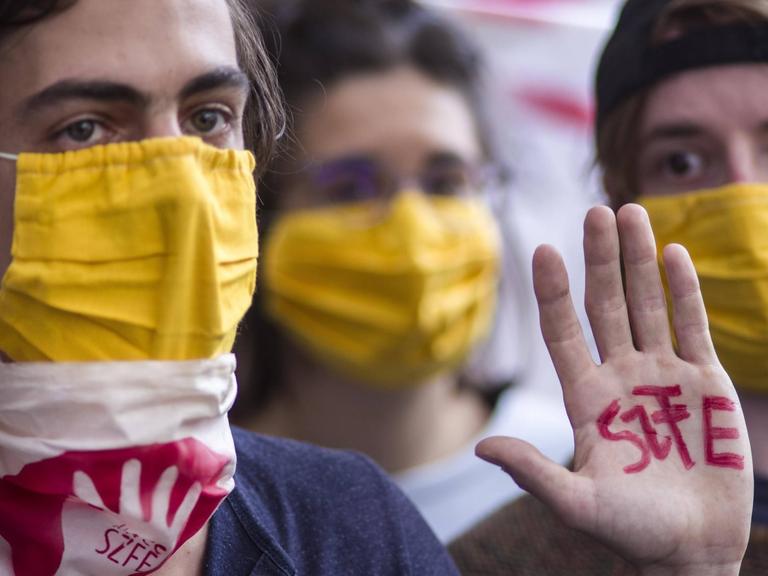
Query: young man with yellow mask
128, 249
132, 258
681, 128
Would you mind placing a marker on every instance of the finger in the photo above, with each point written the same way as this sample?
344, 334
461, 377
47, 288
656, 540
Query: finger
690, 317
559, 325
645, 293
130, 502
161, 499
84, 488
185, 510
553, 484
604, 295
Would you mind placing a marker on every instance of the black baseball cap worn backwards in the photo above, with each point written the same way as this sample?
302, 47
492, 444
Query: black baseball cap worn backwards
631, 61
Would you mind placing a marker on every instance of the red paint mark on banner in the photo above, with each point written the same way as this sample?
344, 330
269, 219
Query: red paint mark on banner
558, 105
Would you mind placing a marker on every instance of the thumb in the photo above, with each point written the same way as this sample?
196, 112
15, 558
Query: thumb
553, 484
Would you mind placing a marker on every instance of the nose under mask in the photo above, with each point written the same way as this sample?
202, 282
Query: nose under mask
130, 251
389, 299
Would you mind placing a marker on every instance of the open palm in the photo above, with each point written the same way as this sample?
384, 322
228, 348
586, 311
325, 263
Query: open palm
662, 469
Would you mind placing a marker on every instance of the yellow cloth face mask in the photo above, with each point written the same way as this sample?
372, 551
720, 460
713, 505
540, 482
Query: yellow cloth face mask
130, 251
726, 232
390, 295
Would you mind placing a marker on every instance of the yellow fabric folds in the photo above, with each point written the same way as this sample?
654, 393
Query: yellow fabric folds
130, 251
390, 295
726, 232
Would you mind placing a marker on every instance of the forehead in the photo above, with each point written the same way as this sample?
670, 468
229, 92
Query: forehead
145, 43
393, 113
718, 99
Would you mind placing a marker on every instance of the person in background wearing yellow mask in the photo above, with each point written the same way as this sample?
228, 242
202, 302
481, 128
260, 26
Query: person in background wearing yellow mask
128, 249
381, 258
681, 128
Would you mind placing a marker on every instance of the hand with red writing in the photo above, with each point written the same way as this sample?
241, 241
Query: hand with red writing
662, 468
123, 542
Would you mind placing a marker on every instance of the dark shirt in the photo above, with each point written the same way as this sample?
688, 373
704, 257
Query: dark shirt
303, 510
760, 507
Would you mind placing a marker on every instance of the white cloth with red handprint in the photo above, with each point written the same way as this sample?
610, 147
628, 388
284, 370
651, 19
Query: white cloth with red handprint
108, 468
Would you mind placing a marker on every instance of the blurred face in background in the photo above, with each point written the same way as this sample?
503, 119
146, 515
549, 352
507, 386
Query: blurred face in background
382, 262
704, 129
702, 171
372, 135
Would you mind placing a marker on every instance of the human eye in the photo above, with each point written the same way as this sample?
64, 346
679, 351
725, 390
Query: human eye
452, 182
348, 180
682, 165
348, 188
209, 123
451, 177
82, 133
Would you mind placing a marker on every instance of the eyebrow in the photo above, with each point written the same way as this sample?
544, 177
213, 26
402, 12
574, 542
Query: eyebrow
445, 159
108, 91
66, 90
222, 77
674, 131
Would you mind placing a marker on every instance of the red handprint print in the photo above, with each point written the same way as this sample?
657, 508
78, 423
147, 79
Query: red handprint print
117, 512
